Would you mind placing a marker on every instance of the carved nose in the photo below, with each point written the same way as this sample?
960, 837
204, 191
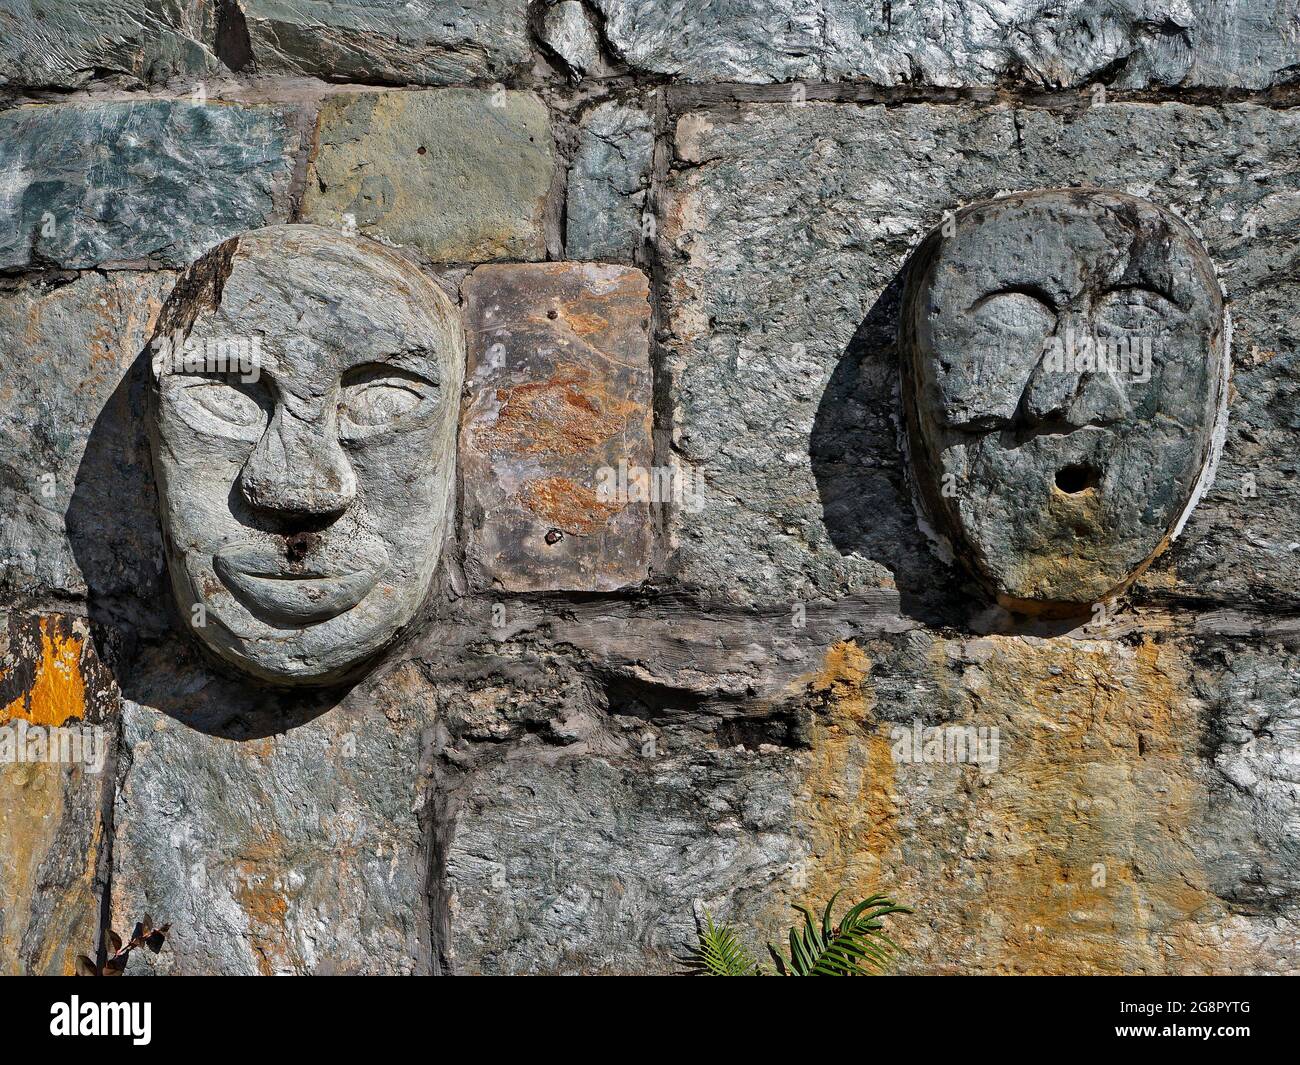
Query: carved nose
1068, 386
298, 469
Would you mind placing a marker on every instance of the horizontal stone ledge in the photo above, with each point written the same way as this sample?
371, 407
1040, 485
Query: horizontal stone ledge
683, 96
68, 44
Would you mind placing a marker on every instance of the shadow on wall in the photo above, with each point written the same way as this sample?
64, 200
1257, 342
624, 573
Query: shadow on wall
113, 527
861, 474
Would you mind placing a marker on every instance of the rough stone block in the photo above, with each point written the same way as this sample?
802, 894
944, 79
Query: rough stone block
589, 866
298, 853
608, 182
64, 44
559, 401
1131, 44
567, 31
1087, 834
155, 182
437, 42
460, 174
69, 447
54, 787
783, 301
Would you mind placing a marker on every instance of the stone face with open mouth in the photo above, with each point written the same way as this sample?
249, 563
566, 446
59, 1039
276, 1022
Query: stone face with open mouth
305, 504
1065, 369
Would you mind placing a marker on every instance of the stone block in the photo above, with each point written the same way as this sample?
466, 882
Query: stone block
65, 44
297, 853
559, 402
151, 182
1130, 44
567, 31
608, 183
70, 447
591, 866
437, 42
784, 277
460, 174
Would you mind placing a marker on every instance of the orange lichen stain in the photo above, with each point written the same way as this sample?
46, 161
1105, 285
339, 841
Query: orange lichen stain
58, 693
259, 892
847, 802
564, 415
1092, 819
567, 505
74, 917
581, 323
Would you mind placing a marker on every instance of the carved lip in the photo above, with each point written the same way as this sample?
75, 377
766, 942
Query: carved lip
323, 586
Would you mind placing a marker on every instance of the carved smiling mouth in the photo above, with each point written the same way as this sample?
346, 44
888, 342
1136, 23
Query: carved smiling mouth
285, 591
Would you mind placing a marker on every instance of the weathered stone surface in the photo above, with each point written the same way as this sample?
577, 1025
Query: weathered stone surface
435, 42
1115, 821
721, 715
64, 44
784, 296
585, 865
460, 174
1083, 845
68, 447
54, 788
559, 400
1133, 43
608, 182
567, 31
1063, 358
154, 182
306, 390
289, 854
1250, 842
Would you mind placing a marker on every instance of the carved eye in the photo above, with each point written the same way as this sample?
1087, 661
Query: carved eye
220, 405
1015, 310
226, 401
374, 398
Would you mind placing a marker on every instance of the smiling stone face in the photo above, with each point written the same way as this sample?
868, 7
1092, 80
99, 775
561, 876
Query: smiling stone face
306, 390
1064, 365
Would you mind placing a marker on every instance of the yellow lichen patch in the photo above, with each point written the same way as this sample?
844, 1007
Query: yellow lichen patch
58, 693
1074, 854
31, 810
848, 801
50, 811
1086, 830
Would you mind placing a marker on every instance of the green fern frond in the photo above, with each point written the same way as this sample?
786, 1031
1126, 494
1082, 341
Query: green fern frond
855, 946
719, 952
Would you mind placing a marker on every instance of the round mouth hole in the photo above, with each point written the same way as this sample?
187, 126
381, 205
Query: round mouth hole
1075, 479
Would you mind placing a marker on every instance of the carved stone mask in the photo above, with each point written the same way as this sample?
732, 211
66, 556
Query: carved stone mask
1064, 368
305, 400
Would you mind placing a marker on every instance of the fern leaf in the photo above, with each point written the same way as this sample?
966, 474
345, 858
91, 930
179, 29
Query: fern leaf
719, 952
856, 946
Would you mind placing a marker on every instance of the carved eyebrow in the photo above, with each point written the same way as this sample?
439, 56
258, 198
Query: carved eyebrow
1032, 291
373, 370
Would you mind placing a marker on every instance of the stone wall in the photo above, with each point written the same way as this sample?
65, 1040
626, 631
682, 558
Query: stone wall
675, 233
